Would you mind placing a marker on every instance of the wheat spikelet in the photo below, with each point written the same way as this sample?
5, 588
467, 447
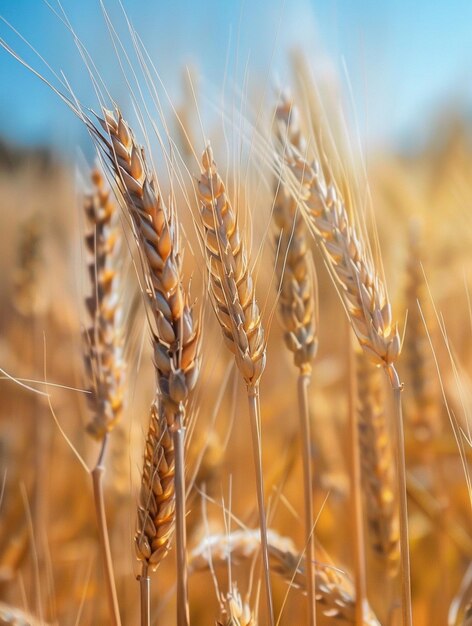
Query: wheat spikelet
295, 265
348, 258
334, 595
104, 363
156, 511
231, 282
423, 401
11, 616
378, 475
235, 612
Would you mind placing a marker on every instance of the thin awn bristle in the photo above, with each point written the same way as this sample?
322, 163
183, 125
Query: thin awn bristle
103, 339
297, 306
231, 282
378, 474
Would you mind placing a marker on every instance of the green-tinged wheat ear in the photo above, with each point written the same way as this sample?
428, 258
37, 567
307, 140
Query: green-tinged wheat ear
103, 341
378, 473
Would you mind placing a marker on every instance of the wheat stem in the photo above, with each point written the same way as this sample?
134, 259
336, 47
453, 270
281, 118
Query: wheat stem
145, 594
401, 478
255, 418
304, 379
178, 435
356, 493
97, 479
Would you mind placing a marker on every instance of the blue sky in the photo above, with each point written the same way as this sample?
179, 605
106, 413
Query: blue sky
405, 60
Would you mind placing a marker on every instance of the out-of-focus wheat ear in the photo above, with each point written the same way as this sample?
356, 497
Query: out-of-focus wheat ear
335, 602
295, 268
103, 347
175, 328
378, 474
234, 611
12, 616
103, 338
297, 311
362, 290
234, 300
422, 402
29, 293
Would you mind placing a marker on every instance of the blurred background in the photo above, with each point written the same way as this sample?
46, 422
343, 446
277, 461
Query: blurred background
407, 62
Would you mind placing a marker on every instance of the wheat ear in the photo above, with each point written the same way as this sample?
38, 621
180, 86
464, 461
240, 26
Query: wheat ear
175, 335
236, 308
234, 611
365, 299
422, 406
297, 309
11, 616
334, 600
104, 362
378, 477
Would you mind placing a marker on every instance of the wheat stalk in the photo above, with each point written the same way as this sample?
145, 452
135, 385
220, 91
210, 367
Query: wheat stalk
234, 299
175, 335
378, 475
297, 309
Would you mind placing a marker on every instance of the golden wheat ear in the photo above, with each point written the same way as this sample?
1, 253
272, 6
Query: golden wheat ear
176, 340
234, 300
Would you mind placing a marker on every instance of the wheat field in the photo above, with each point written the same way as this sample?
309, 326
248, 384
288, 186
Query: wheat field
234, 365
